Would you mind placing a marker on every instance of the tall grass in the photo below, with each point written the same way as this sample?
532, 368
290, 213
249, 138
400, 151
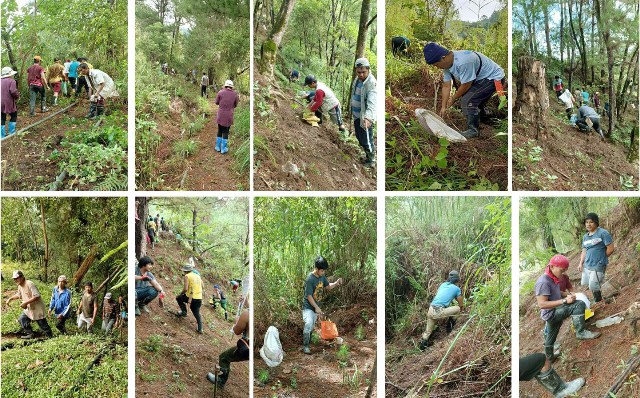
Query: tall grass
242, 153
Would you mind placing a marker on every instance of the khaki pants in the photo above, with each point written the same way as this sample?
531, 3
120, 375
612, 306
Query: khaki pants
436, 313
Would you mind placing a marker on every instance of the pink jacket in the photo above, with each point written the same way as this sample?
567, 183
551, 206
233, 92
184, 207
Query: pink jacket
228, 101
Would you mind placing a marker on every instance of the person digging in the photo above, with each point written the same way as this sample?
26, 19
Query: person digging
554, 308
219, 297
440, 307
311, 311
597, 247
475, 77
191, 291
32, 305
325, 100
101, 87
363, 108
535, 365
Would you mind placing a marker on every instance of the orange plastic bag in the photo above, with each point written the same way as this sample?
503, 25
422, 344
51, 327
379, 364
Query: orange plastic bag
328, 330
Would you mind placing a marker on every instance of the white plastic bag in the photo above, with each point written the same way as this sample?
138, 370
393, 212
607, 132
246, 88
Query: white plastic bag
271, 352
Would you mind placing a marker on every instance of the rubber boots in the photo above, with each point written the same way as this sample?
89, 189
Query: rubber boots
43, 106
424, 343
552, 382
218, 143
451, 323
220, 379
93, 108
224, 148
581, 332
370, 159
99, 109
597, 296
137, 310
55, 100
306, 338
473, 127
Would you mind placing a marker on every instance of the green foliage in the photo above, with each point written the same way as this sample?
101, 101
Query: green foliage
241, 138
185, 148
353, 380
147, 143
263, 376
359, 333
343, 353
315, 339
152, 344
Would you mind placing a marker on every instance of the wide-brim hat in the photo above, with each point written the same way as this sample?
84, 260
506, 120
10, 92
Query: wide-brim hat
187, 267
7, 71
228, 83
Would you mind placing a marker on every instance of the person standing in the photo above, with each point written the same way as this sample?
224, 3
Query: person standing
151, 232
191, 291
596, 101
61, 304
88, 308
597, 247
109, 312
440, 307
8, 98
557, 86
227, 100
73, 76
65, 83
204, 83
363, 107
56, 76
37, 80
32, 305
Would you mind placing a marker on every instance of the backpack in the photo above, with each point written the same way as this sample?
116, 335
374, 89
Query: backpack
271, 352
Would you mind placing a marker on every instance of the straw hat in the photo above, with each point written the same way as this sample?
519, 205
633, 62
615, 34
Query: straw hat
7, 71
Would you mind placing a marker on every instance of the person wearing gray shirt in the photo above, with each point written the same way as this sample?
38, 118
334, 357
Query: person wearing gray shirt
585, 112
597, 246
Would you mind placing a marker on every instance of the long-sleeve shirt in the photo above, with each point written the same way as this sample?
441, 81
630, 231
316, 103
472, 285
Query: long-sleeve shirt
228, 101
9, 95
60, 301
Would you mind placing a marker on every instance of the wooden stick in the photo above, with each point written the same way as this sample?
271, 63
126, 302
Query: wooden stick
632, 365
42, 120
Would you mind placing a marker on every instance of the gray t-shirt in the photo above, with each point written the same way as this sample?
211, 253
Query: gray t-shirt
312, 286
596, 246
142, 284
545, 286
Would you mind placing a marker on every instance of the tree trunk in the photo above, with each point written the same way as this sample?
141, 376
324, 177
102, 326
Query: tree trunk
194, 224
7, 43
46, 241
269, 49
84, 267
142, 211
562, 32
604, 27
545, 13
532, 101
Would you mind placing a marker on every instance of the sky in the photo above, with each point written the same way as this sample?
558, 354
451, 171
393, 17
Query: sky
469, 12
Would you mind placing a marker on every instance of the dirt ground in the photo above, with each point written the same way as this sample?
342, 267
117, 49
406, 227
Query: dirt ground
326, 162
320, 374
480, 157
25, 158
567, 159
599, 360
180, 368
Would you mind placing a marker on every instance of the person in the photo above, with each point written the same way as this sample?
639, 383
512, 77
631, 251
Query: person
122, 312
56, 76
578, 96
294, 75
363, 107
566, 289
32, 305
596, 101
440, 307
325, 100
82, 79
101, 87
597, 247
227, 100
478, 76
191, 290
400, 44
156, 220
65, 78
73, 76
109, 312
60, 304
37, 79
204, 82
534, 366
234, 354
557, 86
88, 308
234, 285
151, 231
9, 96
567, 99
585, 112
163, 225
554, 308
218, 295
147, 287
315, 282
585, 96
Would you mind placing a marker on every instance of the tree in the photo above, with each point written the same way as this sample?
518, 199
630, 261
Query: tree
532, 100
269, 49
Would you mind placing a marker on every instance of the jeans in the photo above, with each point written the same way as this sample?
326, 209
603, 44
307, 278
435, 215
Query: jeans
555, 322
477, 96
592, 278
309, 317
74, 83
82, 82
194, 306
203, 91
365, 137
436, 313
25, 322
107, 324
146, 294
234, 354
34, 91
582, 124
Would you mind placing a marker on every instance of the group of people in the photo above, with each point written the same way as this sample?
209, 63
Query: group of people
114, 314
154, 226
147, 289
587, 117
322, 100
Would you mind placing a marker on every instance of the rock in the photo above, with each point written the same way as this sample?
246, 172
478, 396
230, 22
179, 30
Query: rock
291, 168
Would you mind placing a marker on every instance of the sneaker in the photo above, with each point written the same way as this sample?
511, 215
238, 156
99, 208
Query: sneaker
27, 336
144, 308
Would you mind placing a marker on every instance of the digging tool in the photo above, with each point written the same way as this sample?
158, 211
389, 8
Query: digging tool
215, 385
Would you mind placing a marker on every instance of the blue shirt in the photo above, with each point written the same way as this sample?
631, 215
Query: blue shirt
585, 96
60, 302
465, 65
596, 246
356, 99
73, 69
447, 292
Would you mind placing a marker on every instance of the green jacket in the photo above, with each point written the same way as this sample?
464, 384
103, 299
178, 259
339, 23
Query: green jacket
367, 99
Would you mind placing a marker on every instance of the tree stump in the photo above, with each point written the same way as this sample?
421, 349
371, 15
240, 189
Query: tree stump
532, 101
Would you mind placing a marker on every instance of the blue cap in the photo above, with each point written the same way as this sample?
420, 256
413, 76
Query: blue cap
216, 286
434, 53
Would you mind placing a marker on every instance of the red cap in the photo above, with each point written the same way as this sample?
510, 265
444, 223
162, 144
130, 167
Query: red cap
559, 261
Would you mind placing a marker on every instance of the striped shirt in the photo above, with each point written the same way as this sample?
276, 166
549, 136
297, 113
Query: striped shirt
355, 100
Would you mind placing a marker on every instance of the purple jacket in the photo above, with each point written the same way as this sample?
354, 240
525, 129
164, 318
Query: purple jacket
227, 100
10, 94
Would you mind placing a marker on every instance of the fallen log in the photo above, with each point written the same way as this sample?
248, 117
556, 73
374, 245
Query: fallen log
42, 120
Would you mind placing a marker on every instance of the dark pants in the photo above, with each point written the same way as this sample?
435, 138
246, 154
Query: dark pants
555, 322
365, 137
530, 366
203, 91
558, 93
74, 82
13, 117
60, 324
194, 306
569, 113
145, 295
238, 353
475, 98
82, 82
582, 124
25, 322
223, 131
34, 92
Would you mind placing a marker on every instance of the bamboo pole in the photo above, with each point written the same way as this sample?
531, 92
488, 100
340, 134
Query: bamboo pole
41, 120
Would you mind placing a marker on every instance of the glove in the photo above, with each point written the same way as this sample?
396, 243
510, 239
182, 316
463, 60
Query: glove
93, 98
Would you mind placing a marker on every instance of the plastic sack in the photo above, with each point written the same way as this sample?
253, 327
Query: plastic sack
328, 330
64, 88
271, 352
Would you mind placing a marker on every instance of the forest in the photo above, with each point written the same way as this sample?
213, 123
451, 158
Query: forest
556, 226
589, 49
426, 238
178, 43
214, 232
65, 141
289, 234
415, 158
84, 239
290, 152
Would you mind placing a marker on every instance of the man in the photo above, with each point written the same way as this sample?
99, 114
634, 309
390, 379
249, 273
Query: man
101, 87
234, 285
151, 232
316, 281
37, 80
192, 289
218, 296
585, 96
163, 224
325, 100
597, 247
32, 305
109, 312
9, 94
61, 304
122, 312
578, 96
147, 288
566, 289
400, 44
567, 99
534, 366
294, 75
363, 107
156, 220
557, 86
56, 76
586, 112
204, 82
596, 101
440, 307
475, 76
82, 79
554, 308
234, 354
88, 308
73, 75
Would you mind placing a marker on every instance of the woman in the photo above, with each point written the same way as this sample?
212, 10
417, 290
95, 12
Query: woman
227, 99
10, 94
